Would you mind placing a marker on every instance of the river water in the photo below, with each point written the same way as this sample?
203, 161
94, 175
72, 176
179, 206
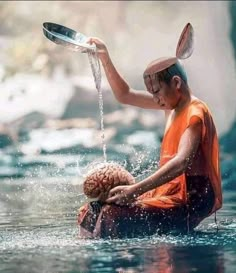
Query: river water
38, 231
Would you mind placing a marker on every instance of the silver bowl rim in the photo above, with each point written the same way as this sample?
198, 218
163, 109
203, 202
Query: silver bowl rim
57, 40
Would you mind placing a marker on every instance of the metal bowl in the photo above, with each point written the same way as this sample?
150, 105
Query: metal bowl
67, 37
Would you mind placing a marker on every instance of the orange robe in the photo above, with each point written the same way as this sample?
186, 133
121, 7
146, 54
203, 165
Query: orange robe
174, 193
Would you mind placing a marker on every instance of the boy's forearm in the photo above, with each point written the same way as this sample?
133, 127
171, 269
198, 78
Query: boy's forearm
166, 173
118, 84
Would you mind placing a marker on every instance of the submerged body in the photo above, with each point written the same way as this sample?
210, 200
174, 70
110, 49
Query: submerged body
97, 220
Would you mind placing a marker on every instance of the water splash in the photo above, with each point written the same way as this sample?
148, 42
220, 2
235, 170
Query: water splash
144, 162
96, 70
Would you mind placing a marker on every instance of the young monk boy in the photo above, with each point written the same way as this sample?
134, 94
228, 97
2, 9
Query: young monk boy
186, 188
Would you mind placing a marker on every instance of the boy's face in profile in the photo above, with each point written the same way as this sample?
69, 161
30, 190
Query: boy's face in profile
165, 95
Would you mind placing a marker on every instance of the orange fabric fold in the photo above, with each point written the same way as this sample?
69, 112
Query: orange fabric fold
174, 193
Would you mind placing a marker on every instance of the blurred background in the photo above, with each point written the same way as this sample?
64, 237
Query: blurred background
48, 92
50, 119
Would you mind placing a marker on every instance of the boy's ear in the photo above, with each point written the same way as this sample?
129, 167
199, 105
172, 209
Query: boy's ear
177, 81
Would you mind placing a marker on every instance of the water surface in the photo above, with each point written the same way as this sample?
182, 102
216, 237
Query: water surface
38, 233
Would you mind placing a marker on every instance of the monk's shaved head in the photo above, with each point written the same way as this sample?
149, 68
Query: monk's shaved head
164, 69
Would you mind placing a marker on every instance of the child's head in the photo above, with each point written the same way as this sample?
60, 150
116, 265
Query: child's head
165, 79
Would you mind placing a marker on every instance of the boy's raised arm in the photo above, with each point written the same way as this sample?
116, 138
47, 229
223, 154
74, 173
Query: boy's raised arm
122, 91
